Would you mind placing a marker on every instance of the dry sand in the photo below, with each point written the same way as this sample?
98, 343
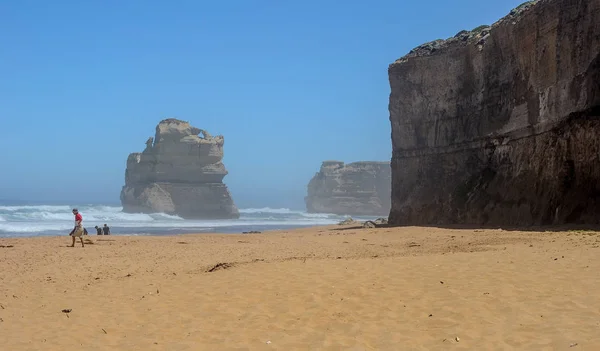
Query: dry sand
327, 288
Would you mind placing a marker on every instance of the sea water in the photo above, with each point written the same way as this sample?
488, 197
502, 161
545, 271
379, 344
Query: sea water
39, 220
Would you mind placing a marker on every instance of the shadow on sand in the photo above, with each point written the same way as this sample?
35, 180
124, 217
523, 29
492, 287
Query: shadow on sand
533, 228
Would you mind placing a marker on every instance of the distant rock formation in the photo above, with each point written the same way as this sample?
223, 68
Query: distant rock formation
360, 188
501, 125
179, 173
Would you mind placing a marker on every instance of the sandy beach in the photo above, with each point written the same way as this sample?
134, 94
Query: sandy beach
323, 288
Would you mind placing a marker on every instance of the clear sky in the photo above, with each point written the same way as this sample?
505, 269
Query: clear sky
288, 83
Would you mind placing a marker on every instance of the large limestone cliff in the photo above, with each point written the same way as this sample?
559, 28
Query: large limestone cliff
179, 173
501, 125
360, 188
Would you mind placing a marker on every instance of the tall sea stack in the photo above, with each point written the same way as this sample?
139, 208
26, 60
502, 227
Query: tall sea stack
359, 188
179, 173
501, 125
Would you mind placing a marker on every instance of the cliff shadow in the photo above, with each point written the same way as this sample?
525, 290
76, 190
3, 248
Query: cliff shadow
531, 228
354, 227
349, 228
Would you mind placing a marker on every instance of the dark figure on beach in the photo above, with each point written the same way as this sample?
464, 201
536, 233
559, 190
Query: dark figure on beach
78, 229
106, 229
98, 230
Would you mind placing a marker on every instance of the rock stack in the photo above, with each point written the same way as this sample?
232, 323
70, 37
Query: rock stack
360, 188
179, 173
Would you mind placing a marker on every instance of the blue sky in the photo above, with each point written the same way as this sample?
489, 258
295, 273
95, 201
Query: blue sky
288, 83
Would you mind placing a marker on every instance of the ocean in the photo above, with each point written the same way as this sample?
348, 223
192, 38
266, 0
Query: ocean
47, 220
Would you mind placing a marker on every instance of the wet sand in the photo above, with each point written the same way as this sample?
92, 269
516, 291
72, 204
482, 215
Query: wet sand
323, 288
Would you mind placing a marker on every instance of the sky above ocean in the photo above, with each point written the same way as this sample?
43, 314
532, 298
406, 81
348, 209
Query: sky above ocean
288, 83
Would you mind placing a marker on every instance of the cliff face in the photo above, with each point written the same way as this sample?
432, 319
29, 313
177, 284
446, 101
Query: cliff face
178, 173
501, 125
360, 188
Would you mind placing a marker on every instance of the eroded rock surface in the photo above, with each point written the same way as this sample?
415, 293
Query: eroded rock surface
501, 125
359, 188
179, 173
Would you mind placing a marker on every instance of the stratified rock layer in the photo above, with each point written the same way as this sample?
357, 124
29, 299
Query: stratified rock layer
179, 173
360, 188
502, 125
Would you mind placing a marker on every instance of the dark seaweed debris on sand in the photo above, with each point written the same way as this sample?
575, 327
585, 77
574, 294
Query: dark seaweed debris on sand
219, 266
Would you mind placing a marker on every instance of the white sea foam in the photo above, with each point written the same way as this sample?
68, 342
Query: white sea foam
51, 208
57, 219
268, 210
283, 211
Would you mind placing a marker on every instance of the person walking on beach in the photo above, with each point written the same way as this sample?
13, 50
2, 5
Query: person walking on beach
106, 229
78, 229
98, 230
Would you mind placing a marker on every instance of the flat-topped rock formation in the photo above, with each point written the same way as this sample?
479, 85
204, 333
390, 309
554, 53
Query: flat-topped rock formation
501, 125
179, 173
359, 188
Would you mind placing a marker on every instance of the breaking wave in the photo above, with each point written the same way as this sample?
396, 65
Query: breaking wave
58, 220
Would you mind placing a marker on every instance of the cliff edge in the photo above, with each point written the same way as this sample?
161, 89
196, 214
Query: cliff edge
359, 188
501, 125
179, 173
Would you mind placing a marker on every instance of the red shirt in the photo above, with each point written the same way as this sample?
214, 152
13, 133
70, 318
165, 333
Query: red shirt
78, 217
